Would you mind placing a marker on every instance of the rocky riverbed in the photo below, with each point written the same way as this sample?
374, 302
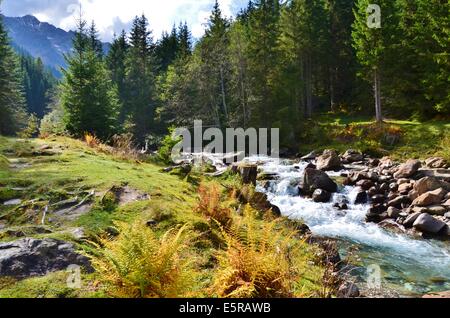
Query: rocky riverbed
389, 214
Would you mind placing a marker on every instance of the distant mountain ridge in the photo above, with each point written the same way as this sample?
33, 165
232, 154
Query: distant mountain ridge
41, 39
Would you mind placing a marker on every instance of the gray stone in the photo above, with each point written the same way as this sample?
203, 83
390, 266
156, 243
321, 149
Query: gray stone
393, 213
352, 156
430, 198
399, 201
33, 257
409, 221
321, 196
329, 161
361, 198
348, 290
316, 179
428, 184
428, 224
436, 210
408, 169
436, 163
13, 202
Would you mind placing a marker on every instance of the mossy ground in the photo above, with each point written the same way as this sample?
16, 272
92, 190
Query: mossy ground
75, 167
399, 139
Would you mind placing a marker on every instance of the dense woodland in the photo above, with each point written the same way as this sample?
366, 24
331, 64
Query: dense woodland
277, 64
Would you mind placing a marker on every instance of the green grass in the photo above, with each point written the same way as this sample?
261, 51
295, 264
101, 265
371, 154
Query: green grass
75, 167
415, 139
53, 285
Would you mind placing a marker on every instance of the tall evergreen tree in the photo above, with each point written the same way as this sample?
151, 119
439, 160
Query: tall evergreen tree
94, 40
263, 34
88, 96
372, 45
12, 102
184, 39
116, 62
38, 83
140, 80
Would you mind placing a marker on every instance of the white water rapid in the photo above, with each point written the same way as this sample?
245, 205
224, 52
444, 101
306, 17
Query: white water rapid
410, 266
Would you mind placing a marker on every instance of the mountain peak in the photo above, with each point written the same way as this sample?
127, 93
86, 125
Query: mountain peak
41, 39
30, 19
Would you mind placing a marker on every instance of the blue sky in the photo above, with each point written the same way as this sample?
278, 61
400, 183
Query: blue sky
111, 16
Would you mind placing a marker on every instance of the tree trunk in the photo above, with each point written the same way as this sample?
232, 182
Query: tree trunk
224, 97
377, 94
308, 86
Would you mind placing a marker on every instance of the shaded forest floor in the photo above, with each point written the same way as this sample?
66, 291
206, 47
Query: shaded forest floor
399, 139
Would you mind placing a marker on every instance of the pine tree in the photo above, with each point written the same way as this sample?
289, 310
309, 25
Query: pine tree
372, 45
140, 80
39, 83
216, 65
94, 40
12, 103
116, 62
88, 95
166, 49
263, 35
184, 39
304, 42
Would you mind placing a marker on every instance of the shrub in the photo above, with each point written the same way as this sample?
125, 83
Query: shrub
123, 146
52, 124
165, 150
138, 264
32, 128
262, 260
210, 204
92, 141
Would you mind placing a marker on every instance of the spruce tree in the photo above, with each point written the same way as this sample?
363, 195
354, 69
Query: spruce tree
140, 80
88, 95
373, 45
12, 102
116, 62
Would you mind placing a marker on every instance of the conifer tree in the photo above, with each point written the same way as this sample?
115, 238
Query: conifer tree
140, 80
88, 96
372, 45
116, 62
12, 102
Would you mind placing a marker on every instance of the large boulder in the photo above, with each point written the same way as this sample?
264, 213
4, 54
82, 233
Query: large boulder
436, 163
400, 201
427, 224
248, 172
409, 221
348, 290
321, 196
361, 197
430, 198
352, 155
329, 161
310, 157
33, 257
428, 184
260, 202
408, 169
315, 179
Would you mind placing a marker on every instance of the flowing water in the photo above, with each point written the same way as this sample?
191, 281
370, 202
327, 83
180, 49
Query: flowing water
409, 266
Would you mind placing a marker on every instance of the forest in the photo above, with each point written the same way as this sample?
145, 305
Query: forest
358, 207
274, 65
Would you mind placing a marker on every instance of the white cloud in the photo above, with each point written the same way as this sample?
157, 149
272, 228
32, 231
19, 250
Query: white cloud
113, 15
